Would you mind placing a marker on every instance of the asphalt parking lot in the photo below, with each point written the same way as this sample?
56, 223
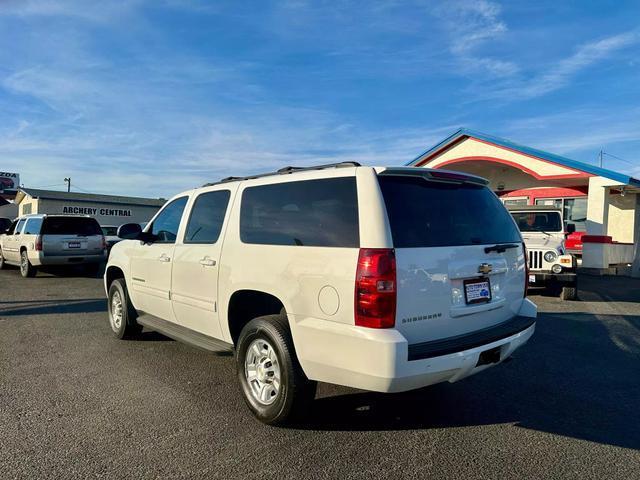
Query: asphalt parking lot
77, 403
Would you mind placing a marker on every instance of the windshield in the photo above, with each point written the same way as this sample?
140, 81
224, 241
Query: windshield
70, 226
538, 221
424, 213
109, 231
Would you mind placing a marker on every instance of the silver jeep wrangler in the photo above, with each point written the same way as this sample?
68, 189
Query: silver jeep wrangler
550, 266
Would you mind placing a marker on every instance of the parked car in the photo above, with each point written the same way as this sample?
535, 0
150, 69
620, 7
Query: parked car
550, 266
382, 279
110, 233
5, 223
46, 240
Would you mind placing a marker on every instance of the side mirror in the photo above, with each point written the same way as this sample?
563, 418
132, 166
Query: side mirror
129, 231
571, 228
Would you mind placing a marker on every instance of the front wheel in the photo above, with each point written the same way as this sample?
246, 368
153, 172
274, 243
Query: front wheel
273, 384
26, 268
122, 315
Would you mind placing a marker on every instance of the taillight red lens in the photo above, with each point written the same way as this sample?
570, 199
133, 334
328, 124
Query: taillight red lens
104, 243
375, 297
38, 243
526, 269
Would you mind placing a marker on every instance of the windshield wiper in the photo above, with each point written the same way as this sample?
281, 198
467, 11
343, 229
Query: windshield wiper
500, 247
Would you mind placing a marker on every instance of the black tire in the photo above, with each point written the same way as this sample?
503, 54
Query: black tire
569, 293
26, 269
3, 265
93, 269
295, 392
127, 326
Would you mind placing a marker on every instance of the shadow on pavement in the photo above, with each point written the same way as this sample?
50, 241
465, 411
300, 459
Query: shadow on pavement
41, 307
577, 377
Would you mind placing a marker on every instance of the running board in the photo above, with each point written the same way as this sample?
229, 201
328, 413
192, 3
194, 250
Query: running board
182, 334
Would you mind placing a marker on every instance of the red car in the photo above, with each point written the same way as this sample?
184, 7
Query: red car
573, 243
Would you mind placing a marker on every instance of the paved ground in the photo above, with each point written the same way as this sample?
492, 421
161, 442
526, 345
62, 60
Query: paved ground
77, 403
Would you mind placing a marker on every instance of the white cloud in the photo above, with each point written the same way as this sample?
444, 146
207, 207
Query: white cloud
560, 73
472, 22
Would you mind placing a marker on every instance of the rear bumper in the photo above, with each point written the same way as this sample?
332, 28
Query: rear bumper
383, 361
40, 259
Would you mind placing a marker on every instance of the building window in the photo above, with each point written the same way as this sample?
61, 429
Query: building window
26, 209
574, 210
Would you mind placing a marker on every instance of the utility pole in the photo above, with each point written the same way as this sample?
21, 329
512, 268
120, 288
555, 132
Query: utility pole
600, 158
68, 180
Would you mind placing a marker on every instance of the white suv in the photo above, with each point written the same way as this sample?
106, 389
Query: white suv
39, 240
543, 233
383, 279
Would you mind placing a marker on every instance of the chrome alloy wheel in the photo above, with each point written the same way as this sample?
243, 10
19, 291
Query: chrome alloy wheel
24, 264
262, 371
116, 311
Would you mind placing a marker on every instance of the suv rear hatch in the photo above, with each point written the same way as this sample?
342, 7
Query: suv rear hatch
71, 236
459, 255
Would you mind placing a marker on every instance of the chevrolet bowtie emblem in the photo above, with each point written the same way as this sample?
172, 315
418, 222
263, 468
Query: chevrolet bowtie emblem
484, 268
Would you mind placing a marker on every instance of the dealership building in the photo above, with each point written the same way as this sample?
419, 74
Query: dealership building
604, 205
107, 209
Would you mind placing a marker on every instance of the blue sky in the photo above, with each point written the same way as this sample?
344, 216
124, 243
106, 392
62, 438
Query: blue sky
153, 97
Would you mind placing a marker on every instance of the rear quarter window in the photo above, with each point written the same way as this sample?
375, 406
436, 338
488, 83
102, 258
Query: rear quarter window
33, 226
319, 213
70, 226
425, 213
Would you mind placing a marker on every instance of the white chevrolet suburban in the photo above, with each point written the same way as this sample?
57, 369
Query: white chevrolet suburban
39, 240
550, 266
383, 279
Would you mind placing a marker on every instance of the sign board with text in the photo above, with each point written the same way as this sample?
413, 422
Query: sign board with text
9, 182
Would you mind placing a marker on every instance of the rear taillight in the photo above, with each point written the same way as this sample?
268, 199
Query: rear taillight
38, 243
104, 243
526, 269
375, 298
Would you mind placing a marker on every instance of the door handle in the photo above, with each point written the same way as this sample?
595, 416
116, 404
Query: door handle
207, 262
164, 258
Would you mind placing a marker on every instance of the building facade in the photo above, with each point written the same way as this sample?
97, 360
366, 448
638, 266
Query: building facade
603, 205
107, 209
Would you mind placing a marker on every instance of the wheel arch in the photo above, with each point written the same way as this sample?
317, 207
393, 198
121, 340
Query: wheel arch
246, 304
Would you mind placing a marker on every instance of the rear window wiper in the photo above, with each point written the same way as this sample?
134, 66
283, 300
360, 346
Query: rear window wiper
500, 247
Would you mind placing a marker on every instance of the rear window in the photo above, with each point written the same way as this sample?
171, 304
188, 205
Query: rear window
319, 213
431, 214
70, 226
109, 231
538, 221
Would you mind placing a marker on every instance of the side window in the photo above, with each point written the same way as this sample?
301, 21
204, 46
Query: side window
165, 226
33, 226
12, 228
320, 213
19, 227
207, 215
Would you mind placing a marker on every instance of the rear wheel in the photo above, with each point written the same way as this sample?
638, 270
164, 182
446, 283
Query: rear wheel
93, 269
26, 268
273, 384
122, 315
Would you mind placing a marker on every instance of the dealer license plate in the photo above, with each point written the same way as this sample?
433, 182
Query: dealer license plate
74, 244
532, 279
477, 290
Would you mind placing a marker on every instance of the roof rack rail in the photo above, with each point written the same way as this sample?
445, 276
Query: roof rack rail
285, 171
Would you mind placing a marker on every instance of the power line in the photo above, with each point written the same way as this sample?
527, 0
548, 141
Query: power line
47, 186
618, 158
